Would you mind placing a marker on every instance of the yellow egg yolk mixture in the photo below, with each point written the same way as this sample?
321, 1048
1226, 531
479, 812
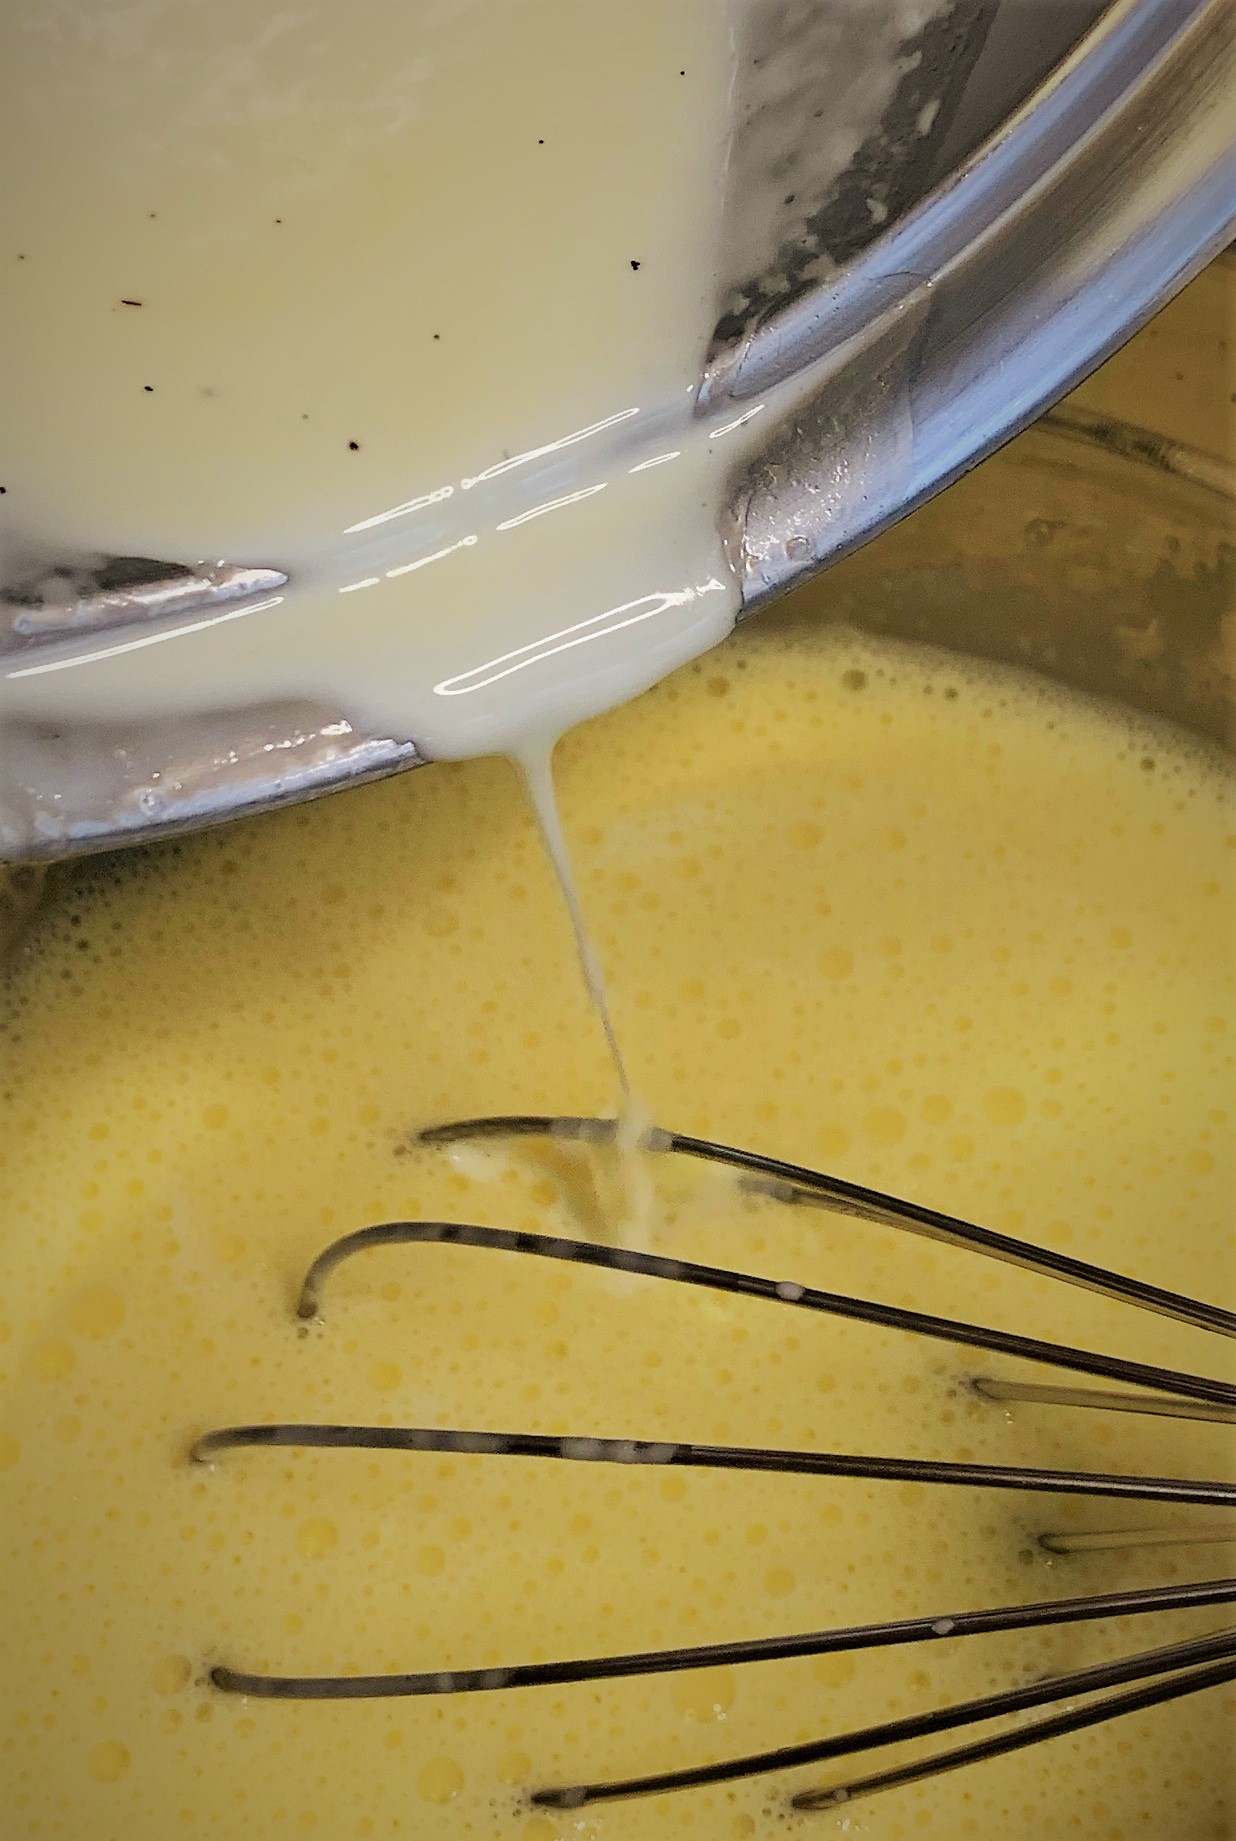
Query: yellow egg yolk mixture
946, 933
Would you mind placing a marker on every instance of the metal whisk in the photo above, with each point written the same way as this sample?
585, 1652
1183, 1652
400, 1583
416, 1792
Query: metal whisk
1124, 1685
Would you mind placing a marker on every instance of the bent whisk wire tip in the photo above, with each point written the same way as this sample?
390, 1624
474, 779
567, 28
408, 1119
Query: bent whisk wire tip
1110, 1689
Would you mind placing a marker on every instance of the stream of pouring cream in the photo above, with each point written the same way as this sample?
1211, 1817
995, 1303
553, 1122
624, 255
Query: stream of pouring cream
534, 758
631, 1203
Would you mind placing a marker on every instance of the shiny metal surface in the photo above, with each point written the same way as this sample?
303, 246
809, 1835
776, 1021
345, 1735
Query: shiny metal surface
1089, 550
62, 606
70, 793
1061, 236
900, 340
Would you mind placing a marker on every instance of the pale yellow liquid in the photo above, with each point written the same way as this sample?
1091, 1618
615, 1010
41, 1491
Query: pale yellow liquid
408, 300
941, 933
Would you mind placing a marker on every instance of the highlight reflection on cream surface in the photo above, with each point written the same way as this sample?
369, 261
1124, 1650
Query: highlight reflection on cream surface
143, 640
600, 626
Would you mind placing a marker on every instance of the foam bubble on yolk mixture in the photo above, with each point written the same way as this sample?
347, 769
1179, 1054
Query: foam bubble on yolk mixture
942, 933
